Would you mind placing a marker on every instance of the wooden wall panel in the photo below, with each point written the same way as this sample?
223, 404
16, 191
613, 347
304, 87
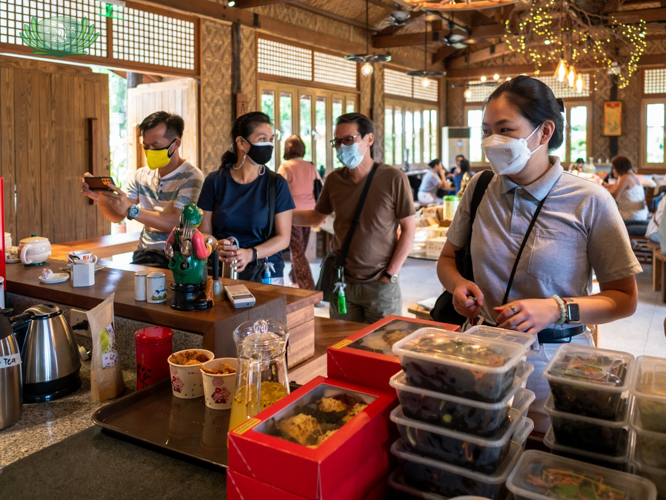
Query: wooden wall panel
249, 66
216, 100
378, 113
44, 111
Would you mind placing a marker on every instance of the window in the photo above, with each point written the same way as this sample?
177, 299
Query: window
473, 120
654, 112
410, 131
306, 125
285, 60
268, 107
400, 84
480, 91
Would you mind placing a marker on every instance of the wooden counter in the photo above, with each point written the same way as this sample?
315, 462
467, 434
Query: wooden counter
292, 306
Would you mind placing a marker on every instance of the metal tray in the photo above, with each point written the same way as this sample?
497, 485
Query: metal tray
181, 426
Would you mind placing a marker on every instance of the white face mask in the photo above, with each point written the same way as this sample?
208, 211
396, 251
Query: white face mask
350, 156
507, 155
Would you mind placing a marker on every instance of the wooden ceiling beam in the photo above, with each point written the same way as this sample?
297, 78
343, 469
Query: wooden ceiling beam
489, 71
479, 56
635, 16
248, 4
329, 15
383, 42
443, 53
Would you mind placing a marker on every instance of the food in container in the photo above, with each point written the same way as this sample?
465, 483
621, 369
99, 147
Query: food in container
452, 412
437, 477
650, 446
589, 381
657, 476
458, 448
591, 434
648, 386
186, 378
492, 332
382, 339
191, 357
542, 476
459, 364
618, 463
313, 420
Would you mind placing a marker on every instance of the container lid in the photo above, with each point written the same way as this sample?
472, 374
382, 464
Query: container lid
261, 334
44, 311
542, 476
153, 335
649, 378
491, 332
460, 349
550, 441
653, 471
396, 481
34, 239
156, 274
500, 438
498, 477
622, 421
590, 367
399, 382
637, 425
451, 198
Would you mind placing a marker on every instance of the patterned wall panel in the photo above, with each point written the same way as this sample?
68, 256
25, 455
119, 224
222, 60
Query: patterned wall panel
366, 89
600, 144
378, 113
455, 104
249, 66
629, 141
215, 93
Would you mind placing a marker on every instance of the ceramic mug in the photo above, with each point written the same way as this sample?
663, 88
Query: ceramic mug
82, 255
140, 285
219, 389
156, 287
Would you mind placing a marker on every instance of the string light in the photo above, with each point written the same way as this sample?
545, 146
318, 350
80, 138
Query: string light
579, 83
571, 76
367, 69
496, 77
561, 70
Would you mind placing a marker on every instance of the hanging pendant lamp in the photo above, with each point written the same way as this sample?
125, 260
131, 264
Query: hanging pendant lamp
367, 59
426, 73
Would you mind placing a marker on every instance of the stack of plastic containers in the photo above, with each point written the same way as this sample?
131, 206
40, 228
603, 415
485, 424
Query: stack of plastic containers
590, 405
462, 413
649, 420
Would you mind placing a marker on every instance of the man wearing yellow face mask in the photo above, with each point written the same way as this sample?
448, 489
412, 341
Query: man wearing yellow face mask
157, 193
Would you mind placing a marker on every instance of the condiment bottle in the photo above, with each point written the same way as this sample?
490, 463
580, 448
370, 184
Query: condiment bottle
218, 289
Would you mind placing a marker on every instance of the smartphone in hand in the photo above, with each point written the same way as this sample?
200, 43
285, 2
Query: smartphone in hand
99, 183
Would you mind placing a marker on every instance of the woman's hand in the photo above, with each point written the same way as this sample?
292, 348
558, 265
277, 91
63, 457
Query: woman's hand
531, 315
467, 299
229, 253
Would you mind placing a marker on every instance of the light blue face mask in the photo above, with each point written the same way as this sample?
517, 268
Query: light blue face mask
350, 156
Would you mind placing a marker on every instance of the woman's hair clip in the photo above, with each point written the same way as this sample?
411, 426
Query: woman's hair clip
560, 103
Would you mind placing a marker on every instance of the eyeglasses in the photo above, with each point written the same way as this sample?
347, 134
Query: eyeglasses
347, 140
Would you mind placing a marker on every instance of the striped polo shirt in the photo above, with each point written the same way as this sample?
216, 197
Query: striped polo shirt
166, 194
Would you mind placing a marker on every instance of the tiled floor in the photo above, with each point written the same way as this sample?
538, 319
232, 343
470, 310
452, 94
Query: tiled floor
643, 333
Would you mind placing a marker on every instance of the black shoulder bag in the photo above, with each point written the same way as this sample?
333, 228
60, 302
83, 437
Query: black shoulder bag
332, 263
317, 185
444, 312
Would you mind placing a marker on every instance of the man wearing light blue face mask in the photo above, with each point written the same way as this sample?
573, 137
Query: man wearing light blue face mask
368, 273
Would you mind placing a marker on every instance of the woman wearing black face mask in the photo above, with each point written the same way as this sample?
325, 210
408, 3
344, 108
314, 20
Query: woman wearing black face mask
246, 200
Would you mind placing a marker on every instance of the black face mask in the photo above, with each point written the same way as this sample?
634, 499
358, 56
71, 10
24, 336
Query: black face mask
261, 152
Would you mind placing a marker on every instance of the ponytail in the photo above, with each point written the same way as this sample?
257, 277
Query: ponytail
244, 126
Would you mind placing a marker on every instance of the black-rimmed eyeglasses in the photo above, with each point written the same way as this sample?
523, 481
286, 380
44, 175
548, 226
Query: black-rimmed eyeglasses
347, 140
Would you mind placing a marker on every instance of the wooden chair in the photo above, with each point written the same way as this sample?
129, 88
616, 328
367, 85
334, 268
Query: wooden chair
640, 246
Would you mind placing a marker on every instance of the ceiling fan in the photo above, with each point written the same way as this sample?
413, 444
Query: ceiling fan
396, 18
455, 40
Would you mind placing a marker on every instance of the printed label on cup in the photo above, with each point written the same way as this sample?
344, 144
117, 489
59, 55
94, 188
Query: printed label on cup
9, 361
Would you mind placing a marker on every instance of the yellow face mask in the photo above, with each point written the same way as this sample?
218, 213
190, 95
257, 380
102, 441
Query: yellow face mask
158, 158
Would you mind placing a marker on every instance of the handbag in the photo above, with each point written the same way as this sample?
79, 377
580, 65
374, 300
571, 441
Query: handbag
317, 185
464, 264
444, 312
333, 264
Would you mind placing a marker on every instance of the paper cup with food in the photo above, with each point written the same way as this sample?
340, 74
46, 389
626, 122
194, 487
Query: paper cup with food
186, 382
219, 380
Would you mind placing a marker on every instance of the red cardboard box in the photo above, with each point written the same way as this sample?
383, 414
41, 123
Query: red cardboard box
312, 473
366, 359
367, 483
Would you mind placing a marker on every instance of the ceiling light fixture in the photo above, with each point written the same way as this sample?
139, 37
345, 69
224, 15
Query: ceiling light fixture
483, 78
368, 59
426, 73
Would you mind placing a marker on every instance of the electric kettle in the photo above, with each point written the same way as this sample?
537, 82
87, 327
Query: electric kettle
10, 376
49, 353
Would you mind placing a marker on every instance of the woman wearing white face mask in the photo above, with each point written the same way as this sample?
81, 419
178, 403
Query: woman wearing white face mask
566, 227
244, 199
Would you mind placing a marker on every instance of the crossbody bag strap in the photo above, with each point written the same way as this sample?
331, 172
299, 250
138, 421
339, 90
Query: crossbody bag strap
272, 188
357, 216
479, 191
522, 247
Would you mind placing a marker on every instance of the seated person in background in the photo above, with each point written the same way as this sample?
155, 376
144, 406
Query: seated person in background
653, 227
462, 178
577, 167
629, 195
431, 183
156, 194
456, 168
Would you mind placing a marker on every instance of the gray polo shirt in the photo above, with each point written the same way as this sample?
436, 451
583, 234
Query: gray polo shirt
578, 230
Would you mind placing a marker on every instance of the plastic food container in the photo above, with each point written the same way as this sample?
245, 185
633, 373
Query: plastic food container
589, 381
458, 448
542, 476
657, 476
650, 446
491, 332
448, 480
648, 385
617, 463
459, 364
453, 412
608, 437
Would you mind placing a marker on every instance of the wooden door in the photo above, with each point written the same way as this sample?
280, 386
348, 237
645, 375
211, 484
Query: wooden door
174, 96
54, 127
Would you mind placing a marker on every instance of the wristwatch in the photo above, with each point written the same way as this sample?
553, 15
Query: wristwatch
393, 278
133, 212
573, 314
